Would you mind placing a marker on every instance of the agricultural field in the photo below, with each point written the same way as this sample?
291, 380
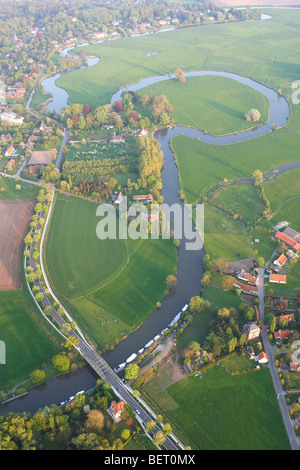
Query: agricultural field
87, 272
27, 346
213, 104
235, 47
17, 215
222, 411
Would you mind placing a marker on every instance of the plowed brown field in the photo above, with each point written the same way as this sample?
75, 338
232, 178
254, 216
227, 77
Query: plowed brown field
14, 221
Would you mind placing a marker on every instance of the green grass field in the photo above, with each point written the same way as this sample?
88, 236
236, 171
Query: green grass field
27, 346
27, 191
237, 364
203, 165
88, 272
213, 104
225, 237
222, 411
241, 200
248, 48
283, 193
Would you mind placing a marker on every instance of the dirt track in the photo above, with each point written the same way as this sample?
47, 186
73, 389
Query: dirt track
14, 221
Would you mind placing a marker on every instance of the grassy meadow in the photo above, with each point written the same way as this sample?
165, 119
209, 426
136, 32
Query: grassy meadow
8, 189
213, 104
88, 272
248, 48
27, 346
203, 165
283, 193
222, 411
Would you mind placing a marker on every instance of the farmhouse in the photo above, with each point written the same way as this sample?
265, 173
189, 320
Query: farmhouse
117, 409
292, 234
246, 288
143, 197
244, 276
117, 199
289, 317
282, 334
10, 151
262, 358
278, 278
288, 240
11, 163
252, 330
281, 260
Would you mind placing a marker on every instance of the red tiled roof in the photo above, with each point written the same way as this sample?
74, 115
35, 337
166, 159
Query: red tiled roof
282, 259
282, 334
295, 366
10, 150
262, 355
245, 288
10, 163
149, 197
288, 240
118, 407
280, 278
288, 317
250, 279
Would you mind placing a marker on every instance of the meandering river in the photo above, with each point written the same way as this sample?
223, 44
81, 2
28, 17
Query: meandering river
189, 270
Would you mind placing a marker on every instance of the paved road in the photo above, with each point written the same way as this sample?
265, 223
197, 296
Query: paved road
272, 367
